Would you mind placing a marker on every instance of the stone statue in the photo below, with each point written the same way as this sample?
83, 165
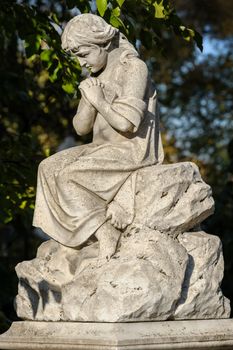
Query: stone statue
127, 243
76, 187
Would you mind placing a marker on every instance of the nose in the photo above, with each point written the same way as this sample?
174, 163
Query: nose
82, 61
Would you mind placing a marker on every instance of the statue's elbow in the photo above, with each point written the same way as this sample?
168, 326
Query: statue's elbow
80, 132
126, 126
81, 128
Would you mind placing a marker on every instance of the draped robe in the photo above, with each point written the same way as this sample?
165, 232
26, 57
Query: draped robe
75, 185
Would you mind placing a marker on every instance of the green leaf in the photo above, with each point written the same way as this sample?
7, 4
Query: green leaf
191, 34
55, 19
102, 6
187, 33
46, 55
159, 9
54, 70
120, 2
69, 88
199, 41
47, 152
116, 11
23, 204
115, 20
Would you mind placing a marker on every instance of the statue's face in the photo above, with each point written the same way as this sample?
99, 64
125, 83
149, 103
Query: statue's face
92, 57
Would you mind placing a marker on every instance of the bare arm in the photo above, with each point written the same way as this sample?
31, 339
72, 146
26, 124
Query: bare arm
135, 85
84, 118
116, 120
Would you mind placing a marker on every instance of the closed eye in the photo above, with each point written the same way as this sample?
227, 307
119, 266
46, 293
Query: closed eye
82, 54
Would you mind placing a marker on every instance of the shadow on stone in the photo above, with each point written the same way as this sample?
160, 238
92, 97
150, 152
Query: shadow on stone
32, 294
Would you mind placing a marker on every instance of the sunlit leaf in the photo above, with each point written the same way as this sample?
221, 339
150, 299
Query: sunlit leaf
115, 19
102, 6
187, 33
116, 11
23, 204
120, 2
159, 9
47, 152
69, 88
46, 55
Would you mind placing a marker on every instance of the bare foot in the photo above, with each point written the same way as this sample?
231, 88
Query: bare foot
118, 217
108, 238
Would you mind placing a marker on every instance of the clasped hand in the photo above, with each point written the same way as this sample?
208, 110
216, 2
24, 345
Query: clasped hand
92, 90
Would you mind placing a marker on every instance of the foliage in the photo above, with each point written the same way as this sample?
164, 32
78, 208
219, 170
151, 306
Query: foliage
41, 34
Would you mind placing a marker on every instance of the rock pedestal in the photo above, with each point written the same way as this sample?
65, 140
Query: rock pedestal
164, 268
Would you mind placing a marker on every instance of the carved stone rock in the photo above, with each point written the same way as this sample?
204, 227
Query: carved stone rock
201, 294
156, 274
172, 198
138, 284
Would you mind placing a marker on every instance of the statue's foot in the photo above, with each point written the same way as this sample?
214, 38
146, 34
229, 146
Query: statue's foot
118, 217
108, 238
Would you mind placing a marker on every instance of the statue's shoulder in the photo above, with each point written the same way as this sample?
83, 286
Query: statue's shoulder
131, 62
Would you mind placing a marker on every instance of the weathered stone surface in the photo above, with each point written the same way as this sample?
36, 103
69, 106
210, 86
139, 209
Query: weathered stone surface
137, 285
76, 187
156, 274
115, 191
142, 282
166, 335
172, 198
151, 277
41, 279
201, 294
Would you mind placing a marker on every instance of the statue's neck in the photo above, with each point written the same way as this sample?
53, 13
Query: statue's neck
113, 58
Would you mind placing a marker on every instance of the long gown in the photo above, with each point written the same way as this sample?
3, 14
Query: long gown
75, 185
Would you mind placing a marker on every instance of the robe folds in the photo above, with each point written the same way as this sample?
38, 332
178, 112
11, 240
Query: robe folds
75, 185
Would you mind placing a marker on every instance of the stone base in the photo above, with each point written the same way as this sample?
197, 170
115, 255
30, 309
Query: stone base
196, 334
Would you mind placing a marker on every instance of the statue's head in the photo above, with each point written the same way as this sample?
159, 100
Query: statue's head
88, 37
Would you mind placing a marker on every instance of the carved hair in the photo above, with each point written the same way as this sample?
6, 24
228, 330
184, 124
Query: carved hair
88, 29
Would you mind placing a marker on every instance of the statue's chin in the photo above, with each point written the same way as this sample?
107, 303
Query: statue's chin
95, 69
99, 66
